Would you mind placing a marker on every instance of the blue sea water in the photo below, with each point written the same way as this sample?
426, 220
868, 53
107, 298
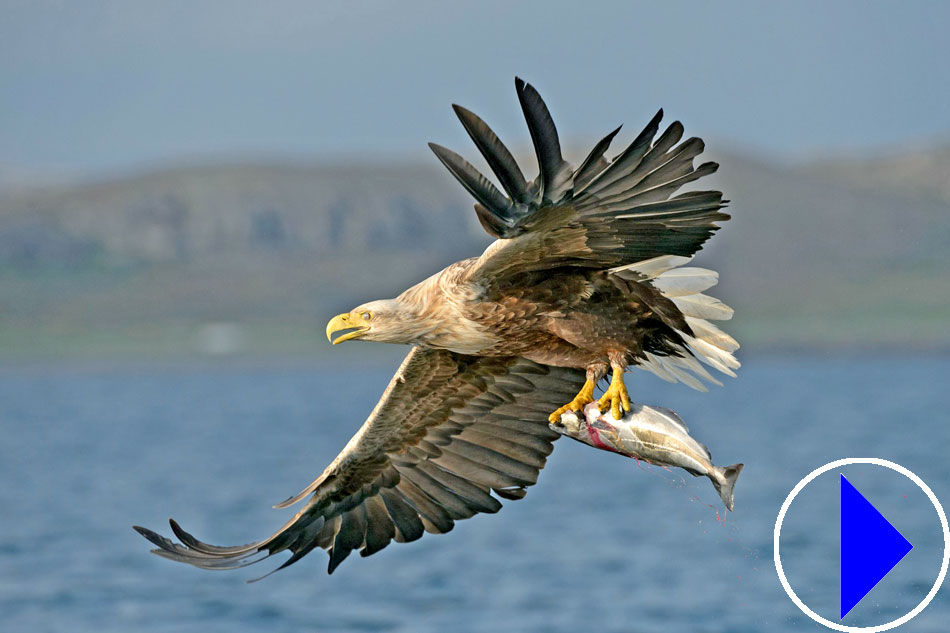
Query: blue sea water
600, 544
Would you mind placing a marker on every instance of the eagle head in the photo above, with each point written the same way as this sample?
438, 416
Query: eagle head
385, 321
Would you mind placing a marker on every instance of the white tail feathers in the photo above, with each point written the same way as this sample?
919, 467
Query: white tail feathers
685, 281
713, 356
671, 369
652, 268
711, 334
684, 287
703, 306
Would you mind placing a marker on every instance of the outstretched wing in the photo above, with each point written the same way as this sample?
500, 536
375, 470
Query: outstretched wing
604, 214
449, 430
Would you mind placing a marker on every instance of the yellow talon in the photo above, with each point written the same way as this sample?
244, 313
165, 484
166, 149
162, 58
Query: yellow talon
616, 396
583, 398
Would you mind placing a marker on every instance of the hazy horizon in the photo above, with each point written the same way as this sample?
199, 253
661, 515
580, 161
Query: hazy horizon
170, 167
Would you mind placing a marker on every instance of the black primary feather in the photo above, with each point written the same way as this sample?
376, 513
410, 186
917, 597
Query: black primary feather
555, 172
628, 159
595, 162
480, 187
499, 159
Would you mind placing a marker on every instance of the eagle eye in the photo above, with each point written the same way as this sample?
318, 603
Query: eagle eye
367, 316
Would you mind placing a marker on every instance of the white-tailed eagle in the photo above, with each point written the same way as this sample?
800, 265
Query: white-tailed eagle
585, 278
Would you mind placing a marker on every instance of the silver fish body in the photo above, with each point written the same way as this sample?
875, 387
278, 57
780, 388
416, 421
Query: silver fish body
653, 434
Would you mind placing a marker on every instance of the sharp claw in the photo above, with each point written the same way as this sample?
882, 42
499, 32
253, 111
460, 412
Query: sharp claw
583, 398
573, 405
615, 399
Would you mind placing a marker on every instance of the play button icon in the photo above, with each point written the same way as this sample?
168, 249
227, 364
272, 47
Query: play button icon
870, 547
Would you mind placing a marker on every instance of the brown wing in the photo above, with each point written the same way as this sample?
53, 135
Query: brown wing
449, 430
602, 215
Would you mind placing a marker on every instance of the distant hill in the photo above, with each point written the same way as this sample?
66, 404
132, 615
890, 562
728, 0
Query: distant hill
848, 253
920, 173
178, 214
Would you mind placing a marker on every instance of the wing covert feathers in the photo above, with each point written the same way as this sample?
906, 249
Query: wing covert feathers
448, 432
604, 214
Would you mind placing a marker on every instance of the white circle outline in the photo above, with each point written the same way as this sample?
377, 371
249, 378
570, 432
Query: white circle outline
876, 462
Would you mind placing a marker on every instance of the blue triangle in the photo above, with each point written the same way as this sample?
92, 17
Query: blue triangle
870, 547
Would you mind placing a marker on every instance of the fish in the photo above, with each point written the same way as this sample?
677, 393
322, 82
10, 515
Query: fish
654, 435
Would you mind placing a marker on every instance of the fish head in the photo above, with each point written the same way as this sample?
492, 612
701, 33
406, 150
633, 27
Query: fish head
570, 424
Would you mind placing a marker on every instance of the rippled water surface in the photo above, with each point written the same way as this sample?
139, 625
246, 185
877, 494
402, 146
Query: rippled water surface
600, 544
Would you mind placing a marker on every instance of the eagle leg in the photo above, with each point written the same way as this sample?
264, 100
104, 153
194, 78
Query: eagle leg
615, 398
583, 398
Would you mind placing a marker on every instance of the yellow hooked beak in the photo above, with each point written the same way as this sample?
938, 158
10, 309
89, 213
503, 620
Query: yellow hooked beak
346, 321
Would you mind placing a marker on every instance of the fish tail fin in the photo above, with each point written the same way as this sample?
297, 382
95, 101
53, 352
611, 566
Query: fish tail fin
725, 483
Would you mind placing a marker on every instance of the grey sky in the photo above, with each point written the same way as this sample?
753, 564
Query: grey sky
100, 85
